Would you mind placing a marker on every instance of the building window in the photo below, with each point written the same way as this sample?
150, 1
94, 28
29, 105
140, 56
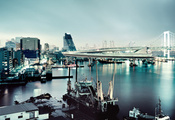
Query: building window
20, 116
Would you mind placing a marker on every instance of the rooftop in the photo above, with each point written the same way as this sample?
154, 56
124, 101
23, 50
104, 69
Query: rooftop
17, 108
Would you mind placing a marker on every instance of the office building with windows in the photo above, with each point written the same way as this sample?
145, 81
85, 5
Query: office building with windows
6, 64
31, 47
68, 44
10, 44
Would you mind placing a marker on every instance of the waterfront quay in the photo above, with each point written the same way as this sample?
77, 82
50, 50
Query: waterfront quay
33, 72
109, 60
139, 86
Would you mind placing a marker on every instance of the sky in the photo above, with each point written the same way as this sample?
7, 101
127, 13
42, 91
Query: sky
88, 21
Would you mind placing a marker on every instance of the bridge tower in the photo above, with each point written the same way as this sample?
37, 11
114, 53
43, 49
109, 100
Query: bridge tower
166, 44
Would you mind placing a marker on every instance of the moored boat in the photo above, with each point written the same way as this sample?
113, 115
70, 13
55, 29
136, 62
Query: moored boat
14, 80
109, 61
90, 99
136, 114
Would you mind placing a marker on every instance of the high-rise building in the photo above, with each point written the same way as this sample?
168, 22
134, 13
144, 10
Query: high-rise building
18, 58
17, 39
105, 44
46, 47
14, 43
41, 47
112, 44
68, 44
30, 43
87, 46
5, 62
17, 46
10, 44
56, 48
30, 47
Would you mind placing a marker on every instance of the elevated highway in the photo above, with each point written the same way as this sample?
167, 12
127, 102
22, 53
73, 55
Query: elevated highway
107, 55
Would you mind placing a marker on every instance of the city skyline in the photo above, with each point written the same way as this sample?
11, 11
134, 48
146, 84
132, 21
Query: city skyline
92, 21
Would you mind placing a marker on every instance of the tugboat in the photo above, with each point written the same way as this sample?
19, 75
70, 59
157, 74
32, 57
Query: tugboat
90, 99
160, 115
135, 114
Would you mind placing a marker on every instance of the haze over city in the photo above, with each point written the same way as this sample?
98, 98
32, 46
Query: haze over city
87, 59
90, 21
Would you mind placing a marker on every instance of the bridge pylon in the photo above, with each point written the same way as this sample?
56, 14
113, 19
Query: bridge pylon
167, 44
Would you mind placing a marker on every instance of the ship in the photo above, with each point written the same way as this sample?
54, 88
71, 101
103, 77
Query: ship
159, 114
104, 61
136, 114
89, 98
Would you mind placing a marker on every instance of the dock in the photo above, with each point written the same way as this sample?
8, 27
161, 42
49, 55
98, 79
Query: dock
61, 77
48, 104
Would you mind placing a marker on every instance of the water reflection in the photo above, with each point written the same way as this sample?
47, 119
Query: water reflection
134, 86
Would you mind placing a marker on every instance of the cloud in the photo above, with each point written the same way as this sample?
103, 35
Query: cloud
91, 21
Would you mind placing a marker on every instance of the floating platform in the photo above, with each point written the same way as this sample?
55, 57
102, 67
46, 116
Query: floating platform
13, 83
60, 77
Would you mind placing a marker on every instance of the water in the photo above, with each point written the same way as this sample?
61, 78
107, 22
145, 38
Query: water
138, 86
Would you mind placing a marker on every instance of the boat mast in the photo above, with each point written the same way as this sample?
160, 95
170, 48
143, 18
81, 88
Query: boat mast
76, 71
69, 83
111, 85
113, 81
97, 79
160, 110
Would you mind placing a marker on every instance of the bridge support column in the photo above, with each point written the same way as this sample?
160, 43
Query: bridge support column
167, 44
66, 62
132, 62
145, 62
90, 62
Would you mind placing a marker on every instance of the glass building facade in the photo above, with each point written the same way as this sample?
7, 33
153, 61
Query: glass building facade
68, 44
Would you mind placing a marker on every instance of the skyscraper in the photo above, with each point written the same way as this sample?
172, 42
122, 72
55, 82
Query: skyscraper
10, 44
30, 47
68, 44
17, 46
105, 44
30, 43
112, 44
17, 39
46, 47
5, 62
18, 57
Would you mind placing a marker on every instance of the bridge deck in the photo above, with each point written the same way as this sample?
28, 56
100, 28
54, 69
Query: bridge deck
106, 55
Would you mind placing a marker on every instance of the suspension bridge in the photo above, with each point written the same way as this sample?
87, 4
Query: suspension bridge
164, 42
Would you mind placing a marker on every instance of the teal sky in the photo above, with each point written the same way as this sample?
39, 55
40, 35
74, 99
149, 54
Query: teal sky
88, 21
